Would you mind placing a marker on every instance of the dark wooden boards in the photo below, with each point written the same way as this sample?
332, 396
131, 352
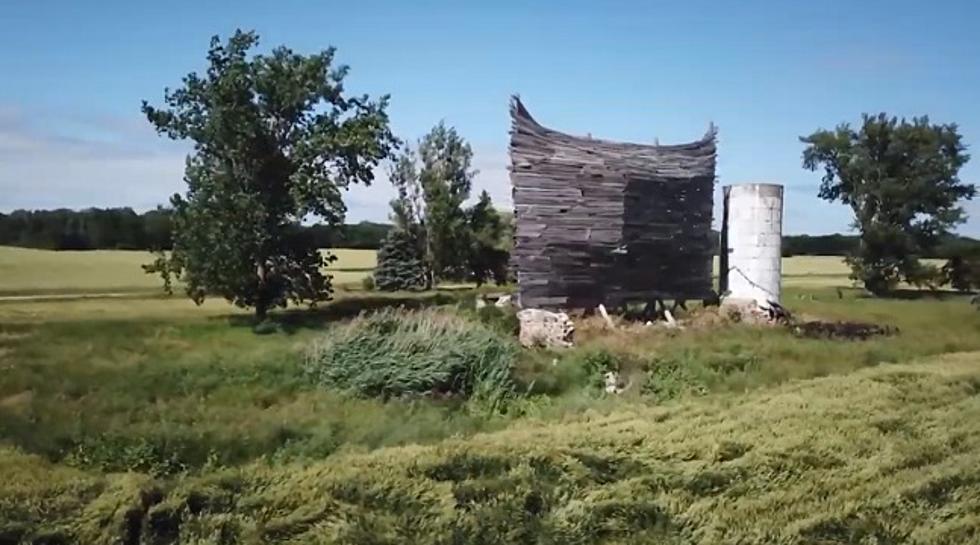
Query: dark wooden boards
609, 222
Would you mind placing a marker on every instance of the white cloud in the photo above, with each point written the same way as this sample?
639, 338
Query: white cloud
110, 161
96, 164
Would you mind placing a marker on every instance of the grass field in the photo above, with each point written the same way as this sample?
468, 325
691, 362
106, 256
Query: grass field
25, 271
147, 419
42, 272
221, 427
884, 455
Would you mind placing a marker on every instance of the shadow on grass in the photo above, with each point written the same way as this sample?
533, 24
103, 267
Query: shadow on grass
912, 294
293, 320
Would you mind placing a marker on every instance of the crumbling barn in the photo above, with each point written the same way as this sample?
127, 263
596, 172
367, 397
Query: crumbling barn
609, 222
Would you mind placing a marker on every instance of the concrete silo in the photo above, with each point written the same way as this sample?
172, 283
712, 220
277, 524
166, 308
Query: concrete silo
751, 240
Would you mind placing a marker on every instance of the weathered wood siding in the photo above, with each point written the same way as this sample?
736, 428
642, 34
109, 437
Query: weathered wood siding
609, 222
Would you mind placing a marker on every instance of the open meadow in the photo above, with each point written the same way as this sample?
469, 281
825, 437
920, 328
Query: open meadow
26, 271
147, 419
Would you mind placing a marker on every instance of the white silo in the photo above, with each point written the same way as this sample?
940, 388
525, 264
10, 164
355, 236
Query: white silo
752, 231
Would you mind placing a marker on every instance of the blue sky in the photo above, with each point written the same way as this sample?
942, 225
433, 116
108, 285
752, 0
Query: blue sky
765, 72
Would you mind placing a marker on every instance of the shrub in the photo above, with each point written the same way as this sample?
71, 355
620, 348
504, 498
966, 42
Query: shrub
397, 352
961, 273
368, 282
503, 320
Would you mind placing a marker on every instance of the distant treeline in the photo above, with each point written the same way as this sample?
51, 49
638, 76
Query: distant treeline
837, 244
124, 229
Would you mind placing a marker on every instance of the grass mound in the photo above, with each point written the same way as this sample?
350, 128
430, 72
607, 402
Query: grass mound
397, 352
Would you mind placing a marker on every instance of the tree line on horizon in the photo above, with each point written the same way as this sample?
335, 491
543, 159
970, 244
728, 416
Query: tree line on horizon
122, 228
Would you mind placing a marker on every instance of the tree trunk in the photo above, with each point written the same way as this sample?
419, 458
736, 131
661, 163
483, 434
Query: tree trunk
261, 299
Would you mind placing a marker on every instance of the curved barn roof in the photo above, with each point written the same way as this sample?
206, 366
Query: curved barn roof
532, 142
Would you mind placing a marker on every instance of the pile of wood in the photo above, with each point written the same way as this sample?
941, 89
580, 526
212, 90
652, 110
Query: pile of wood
609, 222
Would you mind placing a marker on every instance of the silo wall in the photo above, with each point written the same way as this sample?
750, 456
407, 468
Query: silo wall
752, 230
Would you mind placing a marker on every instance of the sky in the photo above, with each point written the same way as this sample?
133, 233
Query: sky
74, 74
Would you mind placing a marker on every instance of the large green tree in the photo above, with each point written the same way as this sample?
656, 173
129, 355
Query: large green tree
901, 179
276, 141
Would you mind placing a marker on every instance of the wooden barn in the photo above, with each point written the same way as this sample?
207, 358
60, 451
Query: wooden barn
609, 222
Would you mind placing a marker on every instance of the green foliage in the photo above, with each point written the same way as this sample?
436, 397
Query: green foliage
393, 353
367, 283
596, 363
901, 180
400, 266
962, 273
487, 259
275, 142
446, 177
88, 229
502, 320
451, 242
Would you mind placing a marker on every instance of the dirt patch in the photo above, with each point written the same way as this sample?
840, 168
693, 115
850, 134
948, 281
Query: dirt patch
849, 331
17, 402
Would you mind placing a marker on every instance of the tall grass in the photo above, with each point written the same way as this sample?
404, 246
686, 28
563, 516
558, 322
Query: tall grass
183, 420
883, 455
394, 352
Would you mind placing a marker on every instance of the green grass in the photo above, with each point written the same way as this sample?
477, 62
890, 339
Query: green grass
43, 272
884, 455
203, 416
25, 271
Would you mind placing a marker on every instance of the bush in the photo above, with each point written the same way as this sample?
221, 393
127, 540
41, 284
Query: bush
397, 352
368, 282
502, 320
961, 273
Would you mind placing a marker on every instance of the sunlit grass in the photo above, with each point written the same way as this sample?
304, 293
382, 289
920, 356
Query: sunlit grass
25, 271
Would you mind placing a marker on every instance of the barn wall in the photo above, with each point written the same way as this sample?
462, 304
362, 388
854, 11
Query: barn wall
608, 222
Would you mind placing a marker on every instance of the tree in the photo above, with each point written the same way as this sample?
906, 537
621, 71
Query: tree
962, 273
487, 256
399, 264
446, 178
276, 139
901, 180
432, 186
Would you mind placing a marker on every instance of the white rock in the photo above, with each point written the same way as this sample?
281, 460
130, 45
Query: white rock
504, 301
612, 383
544, 328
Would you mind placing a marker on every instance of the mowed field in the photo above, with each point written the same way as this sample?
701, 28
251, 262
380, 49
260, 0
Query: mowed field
25, 272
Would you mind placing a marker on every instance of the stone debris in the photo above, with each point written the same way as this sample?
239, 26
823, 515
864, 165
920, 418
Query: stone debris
545, 328
612, 383
503, 301
752, 312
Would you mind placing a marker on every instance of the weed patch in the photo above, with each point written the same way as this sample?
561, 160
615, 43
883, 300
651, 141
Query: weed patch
396, 353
